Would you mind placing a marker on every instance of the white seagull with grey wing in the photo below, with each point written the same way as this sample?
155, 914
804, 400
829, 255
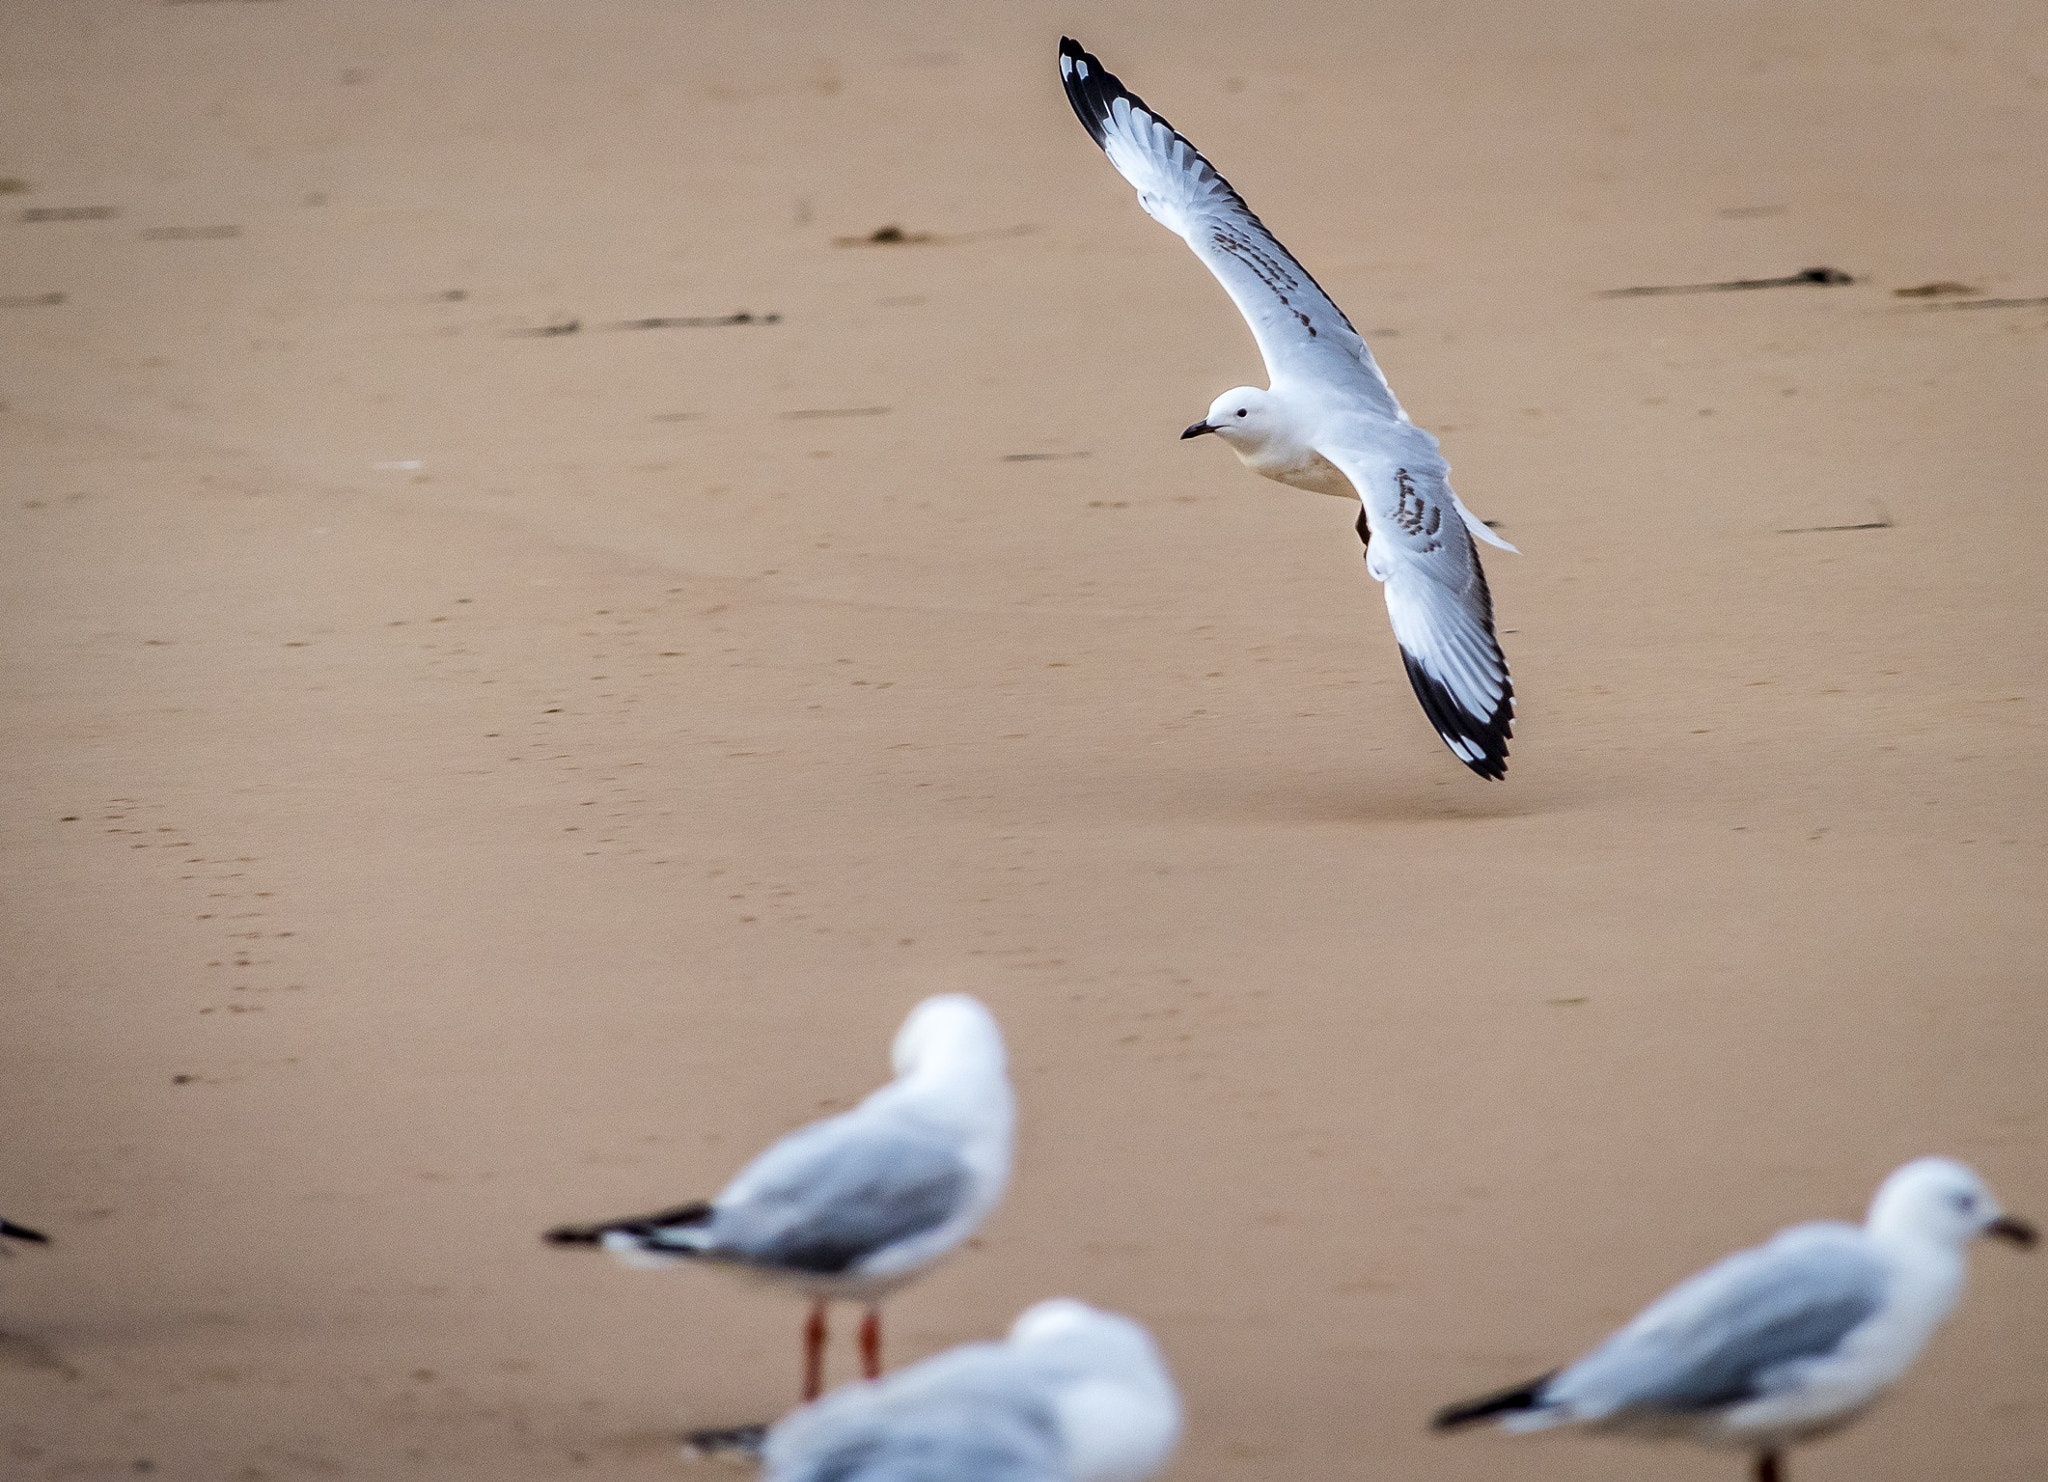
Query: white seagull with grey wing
1781, 1343
1329, 423
859, 1204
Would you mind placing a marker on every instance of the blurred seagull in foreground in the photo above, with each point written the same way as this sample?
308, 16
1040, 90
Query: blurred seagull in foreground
1074, 1395
1329, 424
858, 1204
1782, 1343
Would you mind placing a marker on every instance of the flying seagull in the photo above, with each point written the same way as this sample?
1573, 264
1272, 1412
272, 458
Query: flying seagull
1074, 1395
861, 1203
1329, 423
1782, 1343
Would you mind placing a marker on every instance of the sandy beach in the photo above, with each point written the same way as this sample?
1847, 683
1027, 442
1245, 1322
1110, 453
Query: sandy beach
465, 772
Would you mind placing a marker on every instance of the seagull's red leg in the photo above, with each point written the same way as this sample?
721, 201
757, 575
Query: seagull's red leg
1767, 1468
814, 1352
871, 1344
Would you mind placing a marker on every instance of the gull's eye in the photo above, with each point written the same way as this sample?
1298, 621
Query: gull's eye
1964, 1203
1240, 411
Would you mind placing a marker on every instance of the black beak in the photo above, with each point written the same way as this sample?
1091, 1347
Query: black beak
1196, 429
2019, 1232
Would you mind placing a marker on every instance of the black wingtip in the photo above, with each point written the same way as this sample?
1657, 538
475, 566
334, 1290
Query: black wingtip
1454, 723
1093, 89
1084, 78
23, 1232
1487, 735
1470, 1412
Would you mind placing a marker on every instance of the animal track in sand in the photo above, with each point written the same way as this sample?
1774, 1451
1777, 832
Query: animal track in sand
555, 734
241, 912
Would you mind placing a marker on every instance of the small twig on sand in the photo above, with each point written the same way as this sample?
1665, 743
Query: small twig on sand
895, 236
1943, 289
1824, 277
1882, 522
698, 321
1995, 303
691, 321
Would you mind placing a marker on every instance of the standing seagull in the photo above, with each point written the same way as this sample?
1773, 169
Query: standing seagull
1329, 423
1074, 1395
1782, 1343
858, 1204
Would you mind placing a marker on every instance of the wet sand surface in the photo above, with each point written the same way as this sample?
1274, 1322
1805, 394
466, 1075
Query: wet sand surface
459, 779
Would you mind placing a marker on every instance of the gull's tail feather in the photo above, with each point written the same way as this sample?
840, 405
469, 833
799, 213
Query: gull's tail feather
1522, 1397
659, 1231
23, 1232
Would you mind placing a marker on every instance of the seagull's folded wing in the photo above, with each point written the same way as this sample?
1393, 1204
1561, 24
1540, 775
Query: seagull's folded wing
968, 1412
1302, 335
1437, 597
1734, 1332
933, 1449
834, 1193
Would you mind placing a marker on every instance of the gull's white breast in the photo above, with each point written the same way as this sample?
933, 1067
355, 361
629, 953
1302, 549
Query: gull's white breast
1306, 469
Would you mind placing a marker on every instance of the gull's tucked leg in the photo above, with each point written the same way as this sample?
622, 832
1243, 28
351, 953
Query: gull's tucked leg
1767, 1468
814, 1352
871, 1344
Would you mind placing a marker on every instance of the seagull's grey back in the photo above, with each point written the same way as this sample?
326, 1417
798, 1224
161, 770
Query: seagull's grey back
836, 1191
971, 1413
1728, 1334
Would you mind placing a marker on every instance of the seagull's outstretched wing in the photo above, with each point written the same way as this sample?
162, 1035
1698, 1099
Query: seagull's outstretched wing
1421, 549
1302, 335
1737, 1331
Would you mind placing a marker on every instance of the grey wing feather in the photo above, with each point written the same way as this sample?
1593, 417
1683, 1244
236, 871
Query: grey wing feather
982, 1455
1722, 1336
833, 1193
964, 1416
1302, 335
